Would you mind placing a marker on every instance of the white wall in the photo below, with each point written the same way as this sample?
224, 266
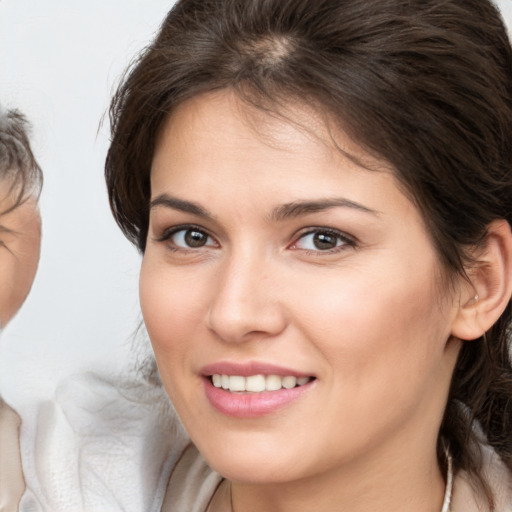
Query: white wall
59, 61
506, 10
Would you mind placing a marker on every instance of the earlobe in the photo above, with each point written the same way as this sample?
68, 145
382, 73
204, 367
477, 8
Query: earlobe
485, 298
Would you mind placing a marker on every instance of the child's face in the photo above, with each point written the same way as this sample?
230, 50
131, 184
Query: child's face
271, 255
20, 240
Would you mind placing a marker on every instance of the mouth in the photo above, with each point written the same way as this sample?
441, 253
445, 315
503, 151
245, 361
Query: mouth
257, 383
254, 389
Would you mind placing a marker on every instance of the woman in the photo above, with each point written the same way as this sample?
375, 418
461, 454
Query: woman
322, 194
20, 238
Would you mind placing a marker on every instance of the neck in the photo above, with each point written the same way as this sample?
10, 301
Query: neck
399, 484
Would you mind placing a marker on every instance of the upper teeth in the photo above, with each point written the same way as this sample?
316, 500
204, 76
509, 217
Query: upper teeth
257, 383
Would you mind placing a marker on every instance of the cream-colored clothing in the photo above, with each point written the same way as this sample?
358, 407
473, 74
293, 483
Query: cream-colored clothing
101, 444
466, 499
11, 475
193, 485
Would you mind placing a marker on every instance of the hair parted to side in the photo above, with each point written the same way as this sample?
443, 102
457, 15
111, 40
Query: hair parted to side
424, 84
18, 165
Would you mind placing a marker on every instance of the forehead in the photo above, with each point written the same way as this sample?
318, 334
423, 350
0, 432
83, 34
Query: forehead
220, 124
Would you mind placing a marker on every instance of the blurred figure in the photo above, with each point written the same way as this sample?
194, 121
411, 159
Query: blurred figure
20, 239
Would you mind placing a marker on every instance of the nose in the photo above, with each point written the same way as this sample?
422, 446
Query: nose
246, 303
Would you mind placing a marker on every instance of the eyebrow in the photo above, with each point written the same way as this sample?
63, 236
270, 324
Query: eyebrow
298, 208
280, 213
180, 205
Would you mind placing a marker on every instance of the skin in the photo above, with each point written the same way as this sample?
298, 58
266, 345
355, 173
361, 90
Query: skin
369, 319
20, 242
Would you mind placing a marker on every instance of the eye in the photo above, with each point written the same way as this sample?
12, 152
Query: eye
322, 240
188, 238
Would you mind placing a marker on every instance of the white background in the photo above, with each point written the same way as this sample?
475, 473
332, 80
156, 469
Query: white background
59, 62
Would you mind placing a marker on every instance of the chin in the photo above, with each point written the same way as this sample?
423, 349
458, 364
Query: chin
262, 471
264, 463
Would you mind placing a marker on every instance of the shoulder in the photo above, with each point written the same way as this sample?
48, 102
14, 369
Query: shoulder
466, 498
192, 483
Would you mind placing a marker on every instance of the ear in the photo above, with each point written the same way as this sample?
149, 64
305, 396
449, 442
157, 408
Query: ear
483, 300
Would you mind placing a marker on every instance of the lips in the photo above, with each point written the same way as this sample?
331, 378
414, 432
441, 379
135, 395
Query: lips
254, 389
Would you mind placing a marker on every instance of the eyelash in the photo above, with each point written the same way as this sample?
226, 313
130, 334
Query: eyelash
346, 240
169, 233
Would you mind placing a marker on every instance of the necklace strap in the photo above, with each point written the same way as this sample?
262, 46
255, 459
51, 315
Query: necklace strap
449, 484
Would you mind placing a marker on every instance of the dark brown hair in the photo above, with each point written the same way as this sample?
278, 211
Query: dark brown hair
424, 84
18, 165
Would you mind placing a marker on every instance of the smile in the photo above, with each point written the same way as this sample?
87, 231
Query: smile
257, 383
238, 392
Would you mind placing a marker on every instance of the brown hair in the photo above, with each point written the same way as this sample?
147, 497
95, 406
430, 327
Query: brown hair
424, 84
18, 165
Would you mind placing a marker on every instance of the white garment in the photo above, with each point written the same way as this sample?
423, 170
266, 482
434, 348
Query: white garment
12, 484
100, 446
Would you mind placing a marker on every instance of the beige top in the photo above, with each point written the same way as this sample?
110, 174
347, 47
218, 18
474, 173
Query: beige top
12, 484
193, 485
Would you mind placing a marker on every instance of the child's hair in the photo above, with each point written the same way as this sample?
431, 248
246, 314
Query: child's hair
18, 166
424, 84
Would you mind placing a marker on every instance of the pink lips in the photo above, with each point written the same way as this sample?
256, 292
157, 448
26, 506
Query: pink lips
248, 404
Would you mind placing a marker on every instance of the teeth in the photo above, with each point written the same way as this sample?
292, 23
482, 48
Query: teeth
289, 382
273, 383
236, 383
257, 383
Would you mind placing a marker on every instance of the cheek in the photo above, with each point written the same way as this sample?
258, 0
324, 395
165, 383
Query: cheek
7, 272
28, 263
17, 273
382, 338
380, 321
172, 303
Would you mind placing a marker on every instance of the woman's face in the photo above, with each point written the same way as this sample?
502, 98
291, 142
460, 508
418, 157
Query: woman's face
304, 284
20, 240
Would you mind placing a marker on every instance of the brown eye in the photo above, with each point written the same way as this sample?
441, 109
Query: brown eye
190, 238
194, 238
325, 241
